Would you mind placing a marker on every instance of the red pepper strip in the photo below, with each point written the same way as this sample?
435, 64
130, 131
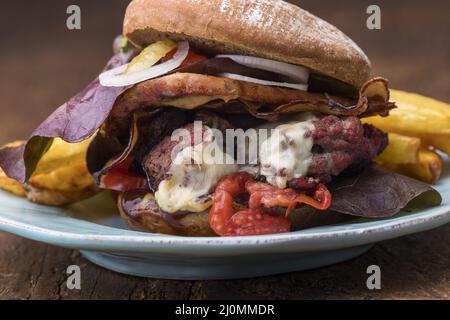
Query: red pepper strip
321, 200
119, 178
254, 221
191, 58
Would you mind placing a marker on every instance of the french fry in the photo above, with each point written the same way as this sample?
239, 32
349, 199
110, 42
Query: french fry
63, 185
401, 149
11, 185
8, 184
427, 169
441, 142
61, 176
62, 154
418, 116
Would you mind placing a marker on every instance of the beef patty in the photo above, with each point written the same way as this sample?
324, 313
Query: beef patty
340, 143
158, 161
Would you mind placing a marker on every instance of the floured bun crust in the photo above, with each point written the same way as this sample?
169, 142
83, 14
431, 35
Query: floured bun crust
271, 29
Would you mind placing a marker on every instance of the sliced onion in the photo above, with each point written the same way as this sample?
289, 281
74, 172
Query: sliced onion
297, 73
303, 87
116, 78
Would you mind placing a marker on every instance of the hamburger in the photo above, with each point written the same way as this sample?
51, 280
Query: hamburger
249, 64
189, 74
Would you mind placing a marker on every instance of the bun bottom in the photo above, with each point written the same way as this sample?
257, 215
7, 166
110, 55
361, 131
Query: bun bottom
190, 225
197, 224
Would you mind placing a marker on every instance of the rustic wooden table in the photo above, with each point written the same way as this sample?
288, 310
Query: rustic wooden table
43, 64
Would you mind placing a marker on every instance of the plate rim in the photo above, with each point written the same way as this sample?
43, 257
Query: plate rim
312, 239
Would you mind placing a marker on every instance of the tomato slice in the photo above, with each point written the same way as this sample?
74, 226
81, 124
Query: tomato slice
119, 178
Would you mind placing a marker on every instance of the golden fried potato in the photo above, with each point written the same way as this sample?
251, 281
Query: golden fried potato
13, 144
61, 176
61, 186
418, 116
8, 184
401, 149
428, 168
11, 185
440, 142
62, 154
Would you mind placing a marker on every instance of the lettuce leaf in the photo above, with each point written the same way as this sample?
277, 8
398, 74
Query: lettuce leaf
74, 121
376, 193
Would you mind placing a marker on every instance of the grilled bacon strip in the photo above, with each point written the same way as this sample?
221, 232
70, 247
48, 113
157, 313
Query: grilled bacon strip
197, 90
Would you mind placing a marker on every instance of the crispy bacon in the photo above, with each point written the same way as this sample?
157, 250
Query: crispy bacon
276, 101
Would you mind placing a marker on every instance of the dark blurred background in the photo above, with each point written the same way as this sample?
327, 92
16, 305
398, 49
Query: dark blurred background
43, 64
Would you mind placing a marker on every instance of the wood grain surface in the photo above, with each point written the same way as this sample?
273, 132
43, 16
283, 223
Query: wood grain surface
43, 64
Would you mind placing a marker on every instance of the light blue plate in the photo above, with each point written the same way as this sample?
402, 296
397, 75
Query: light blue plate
95, 228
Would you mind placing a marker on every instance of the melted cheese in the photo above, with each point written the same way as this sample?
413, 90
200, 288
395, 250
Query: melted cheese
286, 154
192, 102
195, 171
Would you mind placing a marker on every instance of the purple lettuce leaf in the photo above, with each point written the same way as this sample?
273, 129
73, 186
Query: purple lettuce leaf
376, 193
74, 121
